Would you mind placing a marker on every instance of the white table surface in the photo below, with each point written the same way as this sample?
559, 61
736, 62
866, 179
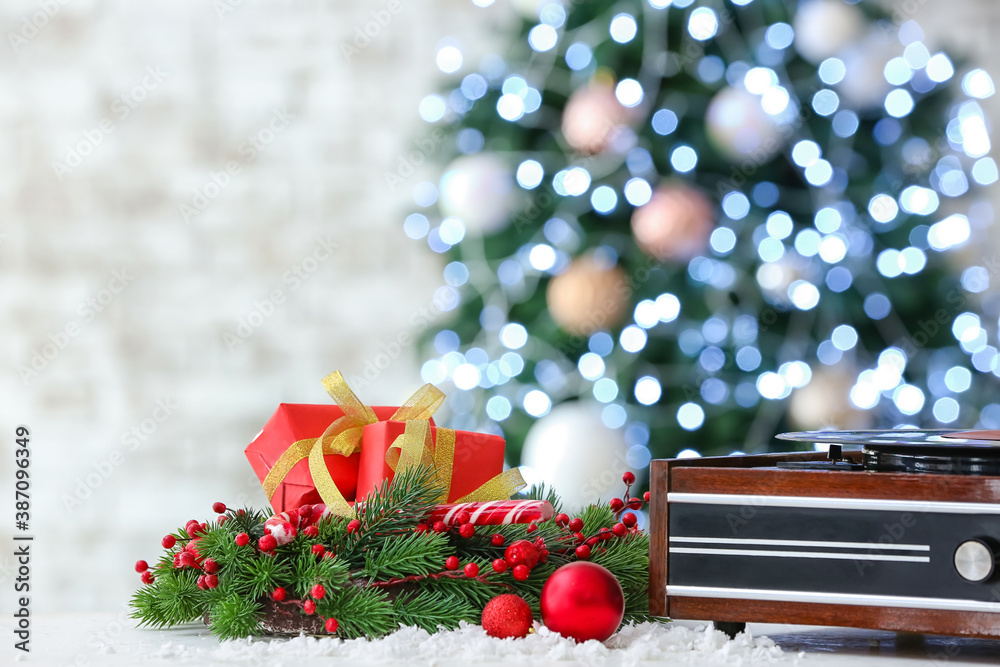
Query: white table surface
83, 640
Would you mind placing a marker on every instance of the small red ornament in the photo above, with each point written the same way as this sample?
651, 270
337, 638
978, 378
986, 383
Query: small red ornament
305, 511
218, 508
467, 530
506, 616
353, 526
463, 517
562, 519
318, 591
583, 552
439, 527
520, 552
617, 505
278, 594
634, 504
310, 531
192, 526
605, 534
318, 549
629, 519
147, 577
210, 566
221, 519
309, 607
451, 562
499, 565
471, 570
628, 478
421, 528
582, 601
177, 560
201, 583
532, 527
267, 543
331, 625
497, 540
579, 537
141, 566
187, 559
591, 541
521, 572
242, 540
168, 541
211, 581
619, 529
645, 496
576, 524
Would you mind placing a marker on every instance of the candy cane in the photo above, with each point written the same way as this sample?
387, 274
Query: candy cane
495, 512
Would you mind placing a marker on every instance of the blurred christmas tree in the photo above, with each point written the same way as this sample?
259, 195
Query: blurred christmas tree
697, 224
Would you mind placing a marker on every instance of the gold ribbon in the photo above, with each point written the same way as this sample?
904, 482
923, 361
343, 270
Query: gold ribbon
415, 447
343, 437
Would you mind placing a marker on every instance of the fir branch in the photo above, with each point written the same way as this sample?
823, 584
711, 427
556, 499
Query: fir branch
627, 558
544, 492
307, 570
596, 517
178, 598
360, 611
234, 617
263, 575
434, 609
416, 553
247, 520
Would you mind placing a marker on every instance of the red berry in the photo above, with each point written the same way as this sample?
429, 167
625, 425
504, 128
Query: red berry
439, 527
463, 517
467, 530
634, 504
331, 625
471, 570
628, 478
305, 511
629, 519
318, 549
583, 552
497, 540
562, 519
521, 572
605, 534
309, 607
221, 519
645, 496
318, 591
353, 526
218, 508
579, 537
310, 531
451, 562
168, 541
211, 580
278, 594
532, 528
210, 566
576, 524
499, 565
242, 540
177, 560
141, 566
329, 554
267, 543
591, 541
520, 552
187, 559
147, 577
421, 528
617, 505
619, 529
201, 583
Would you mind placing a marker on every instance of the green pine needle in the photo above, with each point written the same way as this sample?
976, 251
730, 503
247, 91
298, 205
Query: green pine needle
360, 612
435, 609
416, 553
235, 617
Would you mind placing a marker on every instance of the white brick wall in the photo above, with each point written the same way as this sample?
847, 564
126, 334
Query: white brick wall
162, 336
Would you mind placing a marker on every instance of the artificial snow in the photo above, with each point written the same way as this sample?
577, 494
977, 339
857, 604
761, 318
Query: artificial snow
633, 645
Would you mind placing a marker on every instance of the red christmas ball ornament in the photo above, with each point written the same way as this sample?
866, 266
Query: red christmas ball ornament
242, 540
583, 601
522, 552
331, 625
467, 530
451, 562
168, 541
506, 616
218, 508
147, 577
576, 524
499, 565
141, 566
278, 594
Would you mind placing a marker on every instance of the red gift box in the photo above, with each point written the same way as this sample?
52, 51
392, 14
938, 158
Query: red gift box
478, 458
290, 423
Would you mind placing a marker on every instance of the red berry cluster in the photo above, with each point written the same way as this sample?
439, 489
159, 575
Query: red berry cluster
188, 555
521, 557
308, 606
626, 523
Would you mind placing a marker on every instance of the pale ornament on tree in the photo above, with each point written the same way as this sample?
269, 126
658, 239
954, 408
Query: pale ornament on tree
592, 117
675, 224
479, 191
738, 126
825, 402
588, 296
824, 27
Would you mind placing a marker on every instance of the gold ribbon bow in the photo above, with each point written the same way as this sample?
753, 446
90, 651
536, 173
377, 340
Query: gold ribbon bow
414, 447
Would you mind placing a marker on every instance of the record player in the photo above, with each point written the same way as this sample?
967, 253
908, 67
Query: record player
902, 534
